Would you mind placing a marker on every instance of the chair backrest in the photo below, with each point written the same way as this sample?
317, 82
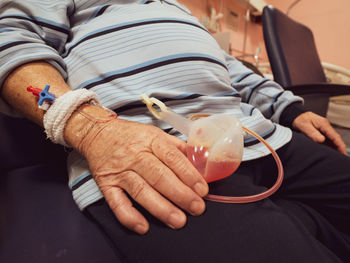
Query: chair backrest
291, 49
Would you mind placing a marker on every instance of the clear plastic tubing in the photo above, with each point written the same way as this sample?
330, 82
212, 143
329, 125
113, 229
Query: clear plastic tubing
257, 197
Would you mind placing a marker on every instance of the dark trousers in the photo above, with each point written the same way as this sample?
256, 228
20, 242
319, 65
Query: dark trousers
307, 220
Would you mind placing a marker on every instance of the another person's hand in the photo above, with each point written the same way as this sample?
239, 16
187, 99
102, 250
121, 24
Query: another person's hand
319, 129
147, 164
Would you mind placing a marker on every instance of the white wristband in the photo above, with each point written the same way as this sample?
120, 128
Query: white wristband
57, 115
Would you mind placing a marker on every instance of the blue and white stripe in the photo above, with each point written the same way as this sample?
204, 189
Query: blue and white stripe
123, 48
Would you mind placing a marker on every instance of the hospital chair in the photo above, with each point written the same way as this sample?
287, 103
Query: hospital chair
39, 221
295, 62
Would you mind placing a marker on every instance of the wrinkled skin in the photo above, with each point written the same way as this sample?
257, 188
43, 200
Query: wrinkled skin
150, 166
125, 157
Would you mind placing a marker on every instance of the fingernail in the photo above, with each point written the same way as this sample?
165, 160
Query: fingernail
201, 189
141, 229
176, 220
197, 207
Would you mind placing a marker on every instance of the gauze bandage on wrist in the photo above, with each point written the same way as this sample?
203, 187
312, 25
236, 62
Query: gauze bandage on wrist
57, 115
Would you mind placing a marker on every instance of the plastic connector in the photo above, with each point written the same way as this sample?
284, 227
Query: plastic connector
45, 97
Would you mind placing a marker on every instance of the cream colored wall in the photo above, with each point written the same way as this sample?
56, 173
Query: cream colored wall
239, 44
329, 20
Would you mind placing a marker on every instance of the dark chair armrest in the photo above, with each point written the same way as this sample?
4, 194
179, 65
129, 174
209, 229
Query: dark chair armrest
316, 95
329, 89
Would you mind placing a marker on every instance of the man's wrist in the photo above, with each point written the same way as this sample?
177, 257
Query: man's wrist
82, 122
290, 113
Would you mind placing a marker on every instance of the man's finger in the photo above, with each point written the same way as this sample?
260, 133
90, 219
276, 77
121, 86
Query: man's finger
124, 211
335, 138
150, 199
181, 166
161, 178
313, 133
180, 144
326, 128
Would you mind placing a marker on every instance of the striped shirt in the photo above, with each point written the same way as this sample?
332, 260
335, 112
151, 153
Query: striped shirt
123, 48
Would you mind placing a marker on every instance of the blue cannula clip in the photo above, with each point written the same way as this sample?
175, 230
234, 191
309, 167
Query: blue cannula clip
45, 95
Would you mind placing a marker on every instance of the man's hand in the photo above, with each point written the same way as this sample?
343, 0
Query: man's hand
318, 129
144, 162
125, 157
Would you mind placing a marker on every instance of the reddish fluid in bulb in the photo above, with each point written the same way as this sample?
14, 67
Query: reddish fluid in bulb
216, 170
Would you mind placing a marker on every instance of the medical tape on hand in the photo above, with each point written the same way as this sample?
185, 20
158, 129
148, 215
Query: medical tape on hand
57, 115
